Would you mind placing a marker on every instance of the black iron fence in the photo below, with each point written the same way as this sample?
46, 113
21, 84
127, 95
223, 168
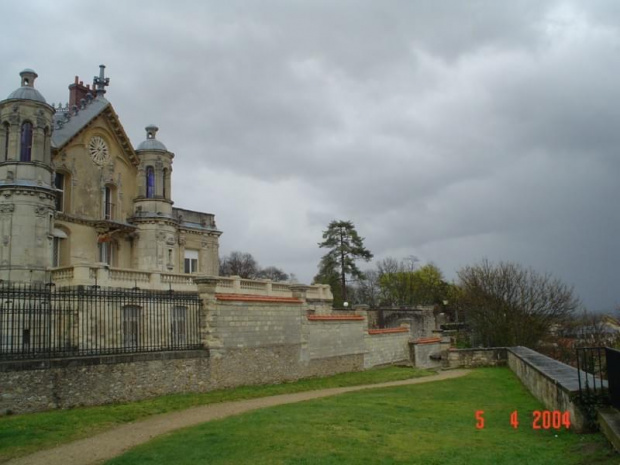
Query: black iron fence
613, 375
592, 373
42, 321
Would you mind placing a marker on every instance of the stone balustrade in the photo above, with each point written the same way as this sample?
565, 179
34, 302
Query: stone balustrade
105, 276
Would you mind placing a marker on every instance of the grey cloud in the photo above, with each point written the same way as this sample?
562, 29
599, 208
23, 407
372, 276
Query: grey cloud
450, 130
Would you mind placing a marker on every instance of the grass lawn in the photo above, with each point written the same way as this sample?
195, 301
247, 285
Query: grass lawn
427, 424
23, 434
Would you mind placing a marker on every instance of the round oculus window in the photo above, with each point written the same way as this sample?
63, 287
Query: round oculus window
98, 150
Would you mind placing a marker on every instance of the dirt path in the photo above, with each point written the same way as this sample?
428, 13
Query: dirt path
104, 446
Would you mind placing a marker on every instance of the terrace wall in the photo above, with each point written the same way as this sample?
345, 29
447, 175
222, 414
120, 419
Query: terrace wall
553, 383
31, 386
247, 339
472, 358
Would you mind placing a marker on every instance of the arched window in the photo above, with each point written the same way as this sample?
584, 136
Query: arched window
26, 141
150, 182
6, 141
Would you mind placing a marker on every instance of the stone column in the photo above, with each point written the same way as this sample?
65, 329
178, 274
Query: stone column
208, 313
361, 310
299, 292
236, 284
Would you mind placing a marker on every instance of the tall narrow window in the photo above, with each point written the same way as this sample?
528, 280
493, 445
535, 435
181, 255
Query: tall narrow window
56, 252
46, 143
6, 141
191, 261
108, 204
26, 142
150, 182
57, 246
59, 183
165, 176
131, 326
106, 252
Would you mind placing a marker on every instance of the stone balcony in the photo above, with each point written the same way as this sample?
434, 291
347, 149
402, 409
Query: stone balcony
101, 275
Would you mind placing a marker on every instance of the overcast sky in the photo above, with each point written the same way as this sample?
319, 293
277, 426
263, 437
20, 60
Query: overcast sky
449, 130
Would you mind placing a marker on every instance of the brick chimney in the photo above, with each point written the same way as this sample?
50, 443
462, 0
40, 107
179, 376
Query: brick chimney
77, 92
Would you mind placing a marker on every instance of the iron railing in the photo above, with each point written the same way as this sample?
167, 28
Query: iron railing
39, 321
592, 373
613, 375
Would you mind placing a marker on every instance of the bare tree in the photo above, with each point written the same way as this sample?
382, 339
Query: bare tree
273, 273
367, 290
239, 264
509, 305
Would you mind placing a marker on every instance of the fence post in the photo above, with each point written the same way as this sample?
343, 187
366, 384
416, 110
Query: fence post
209, 312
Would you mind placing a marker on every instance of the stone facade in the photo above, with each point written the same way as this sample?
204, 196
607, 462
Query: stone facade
75, 192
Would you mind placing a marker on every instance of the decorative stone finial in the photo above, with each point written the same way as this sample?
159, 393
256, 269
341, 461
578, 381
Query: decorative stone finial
151, 130
28, 76
100, 82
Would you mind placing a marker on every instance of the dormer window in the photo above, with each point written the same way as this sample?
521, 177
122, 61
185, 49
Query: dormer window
26, 142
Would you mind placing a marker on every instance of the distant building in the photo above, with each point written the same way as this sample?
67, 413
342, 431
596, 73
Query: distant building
74, 193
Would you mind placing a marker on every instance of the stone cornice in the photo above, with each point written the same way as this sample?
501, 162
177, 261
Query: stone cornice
100, 224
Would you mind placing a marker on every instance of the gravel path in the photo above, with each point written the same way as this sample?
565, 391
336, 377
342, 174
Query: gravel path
104, 446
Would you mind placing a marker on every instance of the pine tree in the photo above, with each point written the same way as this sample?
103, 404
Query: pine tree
345, 247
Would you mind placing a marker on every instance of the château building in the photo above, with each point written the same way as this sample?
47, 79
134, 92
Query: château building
79, 203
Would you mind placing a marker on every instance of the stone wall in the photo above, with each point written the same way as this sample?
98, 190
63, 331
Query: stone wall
386, 346
427, 352
553, 383
472, 358
251, 339
31, 386
334, 336
240, 324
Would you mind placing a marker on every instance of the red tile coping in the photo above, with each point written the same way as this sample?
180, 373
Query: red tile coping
428, 340
335, 317
388, 330
257, 298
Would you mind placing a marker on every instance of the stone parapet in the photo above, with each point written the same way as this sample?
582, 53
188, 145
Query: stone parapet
317, 295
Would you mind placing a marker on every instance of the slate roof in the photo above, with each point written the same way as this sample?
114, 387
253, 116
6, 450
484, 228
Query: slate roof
27, 93
151, 144
65, 129
81, 117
